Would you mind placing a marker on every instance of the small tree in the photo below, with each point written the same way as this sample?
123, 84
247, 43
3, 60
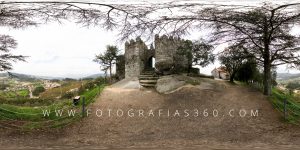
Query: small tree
196, 53
247, 71
38, 90
108, 59
233, 58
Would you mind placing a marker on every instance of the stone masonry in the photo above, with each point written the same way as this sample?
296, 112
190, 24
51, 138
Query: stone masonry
138, 57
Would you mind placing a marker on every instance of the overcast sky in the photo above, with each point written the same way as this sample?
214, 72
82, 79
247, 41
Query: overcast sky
67, 50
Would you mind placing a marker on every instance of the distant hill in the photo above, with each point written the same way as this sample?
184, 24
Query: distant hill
94, 76
27, 77
4, 74
287, 76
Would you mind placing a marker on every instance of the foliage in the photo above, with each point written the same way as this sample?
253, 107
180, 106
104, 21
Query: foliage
7, 44
92, 94
25, 101
68, 95
107, 59
31, 118
293, 107
59, 91
100, 81
69, 79
23, 93
38, 90
196, 53
233, 58
293, 86
3, 86
264, 29
247, 71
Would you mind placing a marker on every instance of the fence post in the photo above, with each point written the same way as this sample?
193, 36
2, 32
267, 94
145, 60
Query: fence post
83, 106
285, 108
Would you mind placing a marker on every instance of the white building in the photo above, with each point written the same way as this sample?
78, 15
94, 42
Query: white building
220, 73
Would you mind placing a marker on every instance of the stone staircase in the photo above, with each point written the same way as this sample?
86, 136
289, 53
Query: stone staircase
148, 78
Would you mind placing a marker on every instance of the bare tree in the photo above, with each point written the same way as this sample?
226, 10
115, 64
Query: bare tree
6, 58
264, 29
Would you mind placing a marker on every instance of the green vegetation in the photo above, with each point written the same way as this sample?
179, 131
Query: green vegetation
23, 93
59, 91
293, 105
108, 59
19, 113
293, 86
3, 86
38, 90
90, 95
12, 94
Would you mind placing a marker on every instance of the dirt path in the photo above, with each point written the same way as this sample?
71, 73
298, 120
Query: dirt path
172, 131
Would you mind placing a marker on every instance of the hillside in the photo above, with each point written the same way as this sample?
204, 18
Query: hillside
287, 76
26, 77
94, 76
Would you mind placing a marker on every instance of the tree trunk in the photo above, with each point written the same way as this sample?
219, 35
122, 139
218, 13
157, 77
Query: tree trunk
232, 77
267, 79
110, 77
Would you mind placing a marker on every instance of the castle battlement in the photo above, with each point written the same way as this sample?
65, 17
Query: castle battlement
138, 56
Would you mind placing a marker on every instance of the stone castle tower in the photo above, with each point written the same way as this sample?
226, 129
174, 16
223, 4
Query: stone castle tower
135, 52
138, 57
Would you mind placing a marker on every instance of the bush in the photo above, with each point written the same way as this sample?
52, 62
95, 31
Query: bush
100, 80
68, 95
38, 90
89, 85
3, 86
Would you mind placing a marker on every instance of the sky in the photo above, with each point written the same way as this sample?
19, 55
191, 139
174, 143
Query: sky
60, 50
68, 49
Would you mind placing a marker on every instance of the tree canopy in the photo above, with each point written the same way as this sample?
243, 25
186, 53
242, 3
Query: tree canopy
265, 29
107, 59
7, 43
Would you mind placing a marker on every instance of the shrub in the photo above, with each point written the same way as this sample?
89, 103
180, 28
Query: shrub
3, 86
100, 80
68, 95
38, 90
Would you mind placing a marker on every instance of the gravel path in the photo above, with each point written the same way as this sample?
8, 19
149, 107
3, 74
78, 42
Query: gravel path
173, 123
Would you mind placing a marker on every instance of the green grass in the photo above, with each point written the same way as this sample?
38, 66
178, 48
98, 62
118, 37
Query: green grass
57, 92
293, 107
277, 99
92, 94
23, 93
12, 94
30, 118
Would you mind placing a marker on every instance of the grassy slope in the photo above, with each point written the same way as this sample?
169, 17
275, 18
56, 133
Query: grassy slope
277, 99
56, 92
293, 105
28, 118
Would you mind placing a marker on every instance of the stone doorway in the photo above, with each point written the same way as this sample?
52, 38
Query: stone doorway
150, 64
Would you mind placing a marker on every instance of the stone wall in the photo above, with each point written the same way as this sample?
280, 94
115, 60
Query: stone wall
137, 56
134, 57
166, 56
